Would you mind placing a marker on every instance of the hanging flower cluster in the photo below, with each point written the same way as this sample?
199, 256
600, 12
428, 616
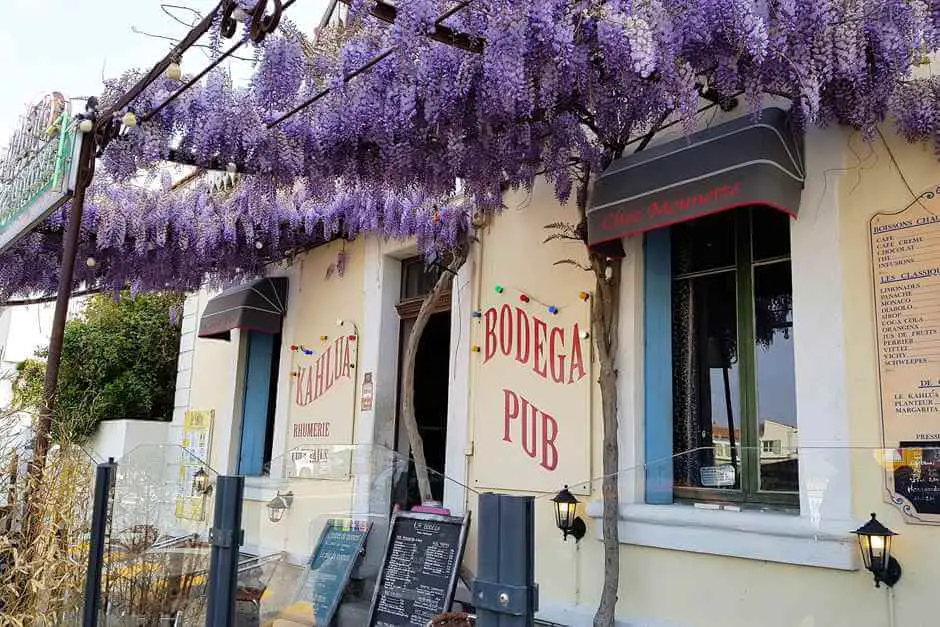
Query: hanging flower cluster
529, 89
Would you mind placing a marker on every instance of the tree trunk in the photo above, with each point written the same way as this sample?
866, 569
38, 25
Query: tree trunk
605, 327
408, 375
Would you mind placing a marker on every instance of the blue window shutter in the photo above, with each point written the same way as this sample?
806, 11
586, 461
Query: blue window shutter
255, 407
657, 357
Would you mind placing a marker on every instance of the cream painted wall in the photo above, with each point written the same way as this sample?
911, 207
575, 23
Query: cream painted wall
874, 183
848, 181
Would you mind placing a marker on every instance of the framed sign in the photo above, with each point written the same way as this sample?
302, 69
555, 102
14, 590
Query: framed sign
338, 550
37, 170
905, 257
419, 572
196, 440
323, 407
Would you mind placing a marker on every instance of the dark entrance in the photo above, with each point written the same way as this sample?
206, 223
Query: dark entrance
432, 369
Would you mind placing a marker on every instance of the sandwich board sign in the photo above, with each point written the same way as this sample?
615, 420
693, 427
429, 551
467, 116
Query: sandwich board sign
38, 168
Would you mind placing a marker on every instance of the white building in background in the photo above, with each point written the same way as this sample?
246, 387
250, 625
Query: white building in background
23, 330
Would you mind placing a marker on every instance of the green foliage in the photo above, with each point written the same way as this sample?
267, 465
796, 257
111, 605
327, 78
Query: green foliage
118, 361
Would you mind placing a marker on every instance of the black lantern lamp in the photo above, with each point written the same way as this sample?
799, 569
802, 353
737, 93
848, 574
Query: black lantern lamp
874, 540
566, 515
279, 505
201, 483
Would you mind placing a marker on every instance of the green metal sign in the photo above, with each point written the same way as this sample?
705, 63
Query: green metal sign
36, 170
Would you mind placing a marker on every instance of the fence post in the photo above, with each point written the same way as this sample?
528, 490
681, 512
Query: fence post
225, 536
505, 593
104, 480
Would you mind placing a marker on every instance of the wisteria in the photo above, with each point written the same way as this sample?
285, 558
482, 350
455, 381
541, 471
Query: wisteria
433, 132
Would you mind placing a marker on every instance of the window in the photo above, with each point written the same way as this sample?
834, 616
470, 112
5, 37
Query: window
727, 302
258, 407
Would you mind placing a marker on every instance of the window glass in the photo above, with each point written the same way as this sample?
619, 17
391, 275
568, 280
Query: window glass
732, 330
776, 382
770, 231
706, 426
703, 244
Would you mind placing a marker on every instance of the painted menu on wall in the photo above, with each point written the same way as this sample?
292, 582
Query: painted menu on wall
905, 249
323, 404
196, 439
534, 392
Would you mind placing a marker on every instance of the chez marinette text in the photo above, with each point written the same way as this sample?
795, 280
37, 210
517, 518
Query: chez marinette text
552, 355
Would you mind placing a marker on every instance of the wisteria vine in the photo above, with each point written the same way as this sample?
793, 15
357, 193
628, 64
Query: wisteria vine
434, 132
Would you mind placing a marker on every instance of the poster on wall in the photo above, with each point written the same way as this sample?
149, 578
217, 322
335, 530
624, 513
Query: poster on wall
323, 406
905, 254
534, 392
196, 439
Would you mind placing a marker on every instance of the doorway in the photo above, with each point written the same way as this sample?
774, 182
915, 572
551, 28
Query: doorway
432, 376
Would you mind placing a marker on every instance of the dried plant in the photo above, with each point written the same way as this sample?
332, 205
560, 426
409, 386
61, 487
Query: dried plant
42, 583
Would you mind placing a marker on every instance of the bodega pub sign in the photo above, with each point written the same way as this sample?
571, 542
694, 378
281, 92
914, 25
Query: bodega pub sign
533, 388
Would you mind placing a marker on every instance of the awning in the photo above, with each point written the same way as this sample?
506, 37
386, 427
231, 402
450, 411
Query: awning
256, 306
747, 161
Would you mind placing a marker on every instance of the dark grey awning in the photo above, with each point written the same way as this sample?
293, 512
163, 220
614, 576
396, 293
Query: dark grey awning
746, 161
256, 306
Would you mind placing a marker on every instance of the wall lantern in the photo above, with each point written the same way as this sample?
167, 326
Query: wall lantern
279, 505
874, 541
202, 485
566, 515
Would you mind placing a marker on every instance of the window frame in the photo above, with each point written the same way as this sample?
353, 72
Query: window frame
748, 492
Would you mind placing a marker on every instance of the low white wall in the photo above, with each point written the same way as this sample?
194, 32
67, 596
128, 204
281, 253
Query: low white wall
115, 438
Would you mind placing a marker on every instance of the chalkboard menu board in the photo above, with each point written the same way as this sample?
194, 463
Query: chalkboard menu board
419, 572
333, 560
905, 255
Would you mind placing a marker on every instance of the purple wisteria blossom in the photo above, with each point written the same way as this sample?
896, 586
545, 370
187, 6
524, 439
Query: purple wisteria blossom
557, 84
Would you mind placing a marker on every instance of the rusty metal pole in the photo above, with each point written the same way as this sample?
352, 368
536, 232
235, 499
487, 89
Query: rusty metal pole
66, 275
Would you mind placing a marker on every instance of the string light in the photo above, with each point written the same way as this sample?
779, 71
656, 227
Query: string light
552, 309
499, 289
173, 71
524, 298
324, 338
585, 335
91, 262
474, 349
476, 314
293, 347
584, 295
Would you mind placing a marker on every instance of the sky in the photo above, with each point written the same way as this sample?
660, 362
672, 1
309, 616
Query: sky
68, 45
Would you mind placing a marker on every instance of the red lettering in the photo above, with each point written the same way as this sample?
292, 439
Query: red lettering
511, 402
308, 393
347, 360
549, 434
505, 330
298, 391
490, 335
541, 330
577, 360
555, 357
529, 412
522, 326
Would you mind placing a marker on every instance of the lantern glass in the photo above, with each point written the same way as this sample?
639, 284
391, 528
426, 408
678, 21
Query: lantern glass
874, 542
201, 482
566, 509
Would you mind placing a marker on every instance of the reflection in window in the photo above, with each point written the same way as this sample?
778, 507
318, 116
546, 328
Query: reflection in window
731, 289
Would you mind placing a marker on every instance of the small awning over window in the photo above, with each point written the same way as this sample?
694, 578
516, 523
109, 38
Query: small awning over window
256, 306
746, 161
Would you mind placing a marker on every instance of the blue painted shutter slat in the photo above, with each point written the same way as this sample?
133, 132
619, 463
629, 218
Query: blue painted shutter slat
255, 407
657, 357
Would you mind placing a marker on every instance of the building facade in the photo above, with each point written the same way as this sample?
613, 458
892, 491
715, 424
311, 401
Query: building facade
762, 366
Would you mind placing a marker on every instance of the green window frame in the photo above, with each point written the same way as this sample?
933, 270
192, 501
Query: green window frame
747, 488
